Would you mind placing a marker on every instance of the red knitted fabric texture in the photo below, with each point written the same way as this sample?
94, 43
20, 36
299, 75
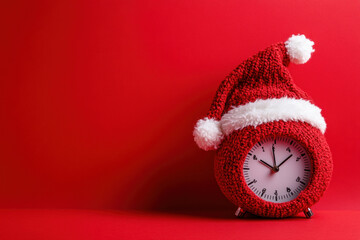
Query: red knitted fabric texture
265, 76
231, 155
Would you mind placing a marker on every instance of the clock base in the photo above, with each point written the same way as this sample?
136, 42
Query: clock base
240, 213
308, 213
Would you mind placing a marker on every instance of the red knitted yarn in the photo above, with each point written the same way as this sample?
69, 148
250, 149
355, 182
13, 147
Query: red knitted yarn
230, 158
257, 100
262, 76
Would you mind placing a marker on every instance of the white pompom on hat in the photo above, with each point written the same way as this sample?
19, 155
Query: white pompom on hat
299, 48
207, 134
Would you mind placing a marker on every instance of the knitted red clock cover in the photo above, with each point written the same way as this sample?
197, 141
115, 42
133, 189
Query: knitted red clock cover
259, 99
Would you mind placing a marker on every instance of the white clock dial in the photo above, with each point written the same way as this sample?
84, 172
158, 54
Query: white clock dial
277, 169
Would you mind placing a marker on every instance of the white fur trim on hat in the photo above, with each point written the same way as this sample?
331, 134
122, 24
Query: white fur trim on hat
269, 110
299, 48
207, 134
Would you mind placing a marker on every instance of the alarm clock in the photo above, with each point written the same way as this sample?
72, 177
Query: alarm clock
272, 158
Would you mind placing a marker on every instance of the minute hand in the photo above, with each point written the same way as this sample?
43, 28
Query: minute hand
284, 160
275, 168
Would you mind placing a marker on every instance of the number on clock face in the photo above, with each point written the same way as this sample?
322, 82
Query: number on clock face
277, 169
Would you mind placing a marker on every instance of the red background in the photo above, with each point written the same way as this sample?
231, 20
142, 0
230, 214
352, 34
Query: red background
98, 98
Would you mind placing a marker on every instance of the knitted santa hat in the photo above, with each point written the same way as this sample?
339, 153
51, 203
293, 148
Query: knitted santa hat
260, 90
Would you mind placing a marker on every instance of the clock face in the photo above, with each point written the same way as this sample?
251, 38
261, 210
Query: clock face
277, 169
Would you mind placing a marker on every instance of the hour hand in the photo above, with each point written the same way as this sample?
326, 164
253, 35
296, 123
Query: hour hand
266, 164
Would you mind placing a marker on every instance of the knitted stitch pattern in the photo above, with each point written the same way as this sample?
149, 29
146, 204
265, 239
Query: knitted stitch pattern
231, 155
265, 76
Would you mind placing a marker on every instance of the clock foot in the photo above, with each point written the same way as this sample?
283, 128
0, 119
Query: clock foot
308, 213
240, 213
